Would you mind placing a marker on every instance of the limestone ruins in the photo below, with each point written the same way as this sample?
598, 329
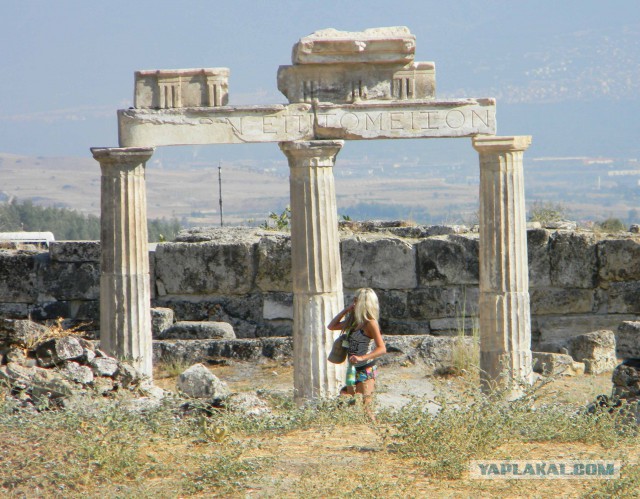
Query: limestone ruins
341, 86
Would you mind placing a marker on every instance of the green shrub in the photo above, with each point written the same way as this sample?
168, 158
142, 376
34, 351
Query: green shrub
545, 212
610, 225
280, 222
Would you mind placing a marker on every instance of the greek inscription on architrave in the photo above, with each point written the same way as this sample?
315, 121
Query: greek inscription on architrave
341, 85
234, 125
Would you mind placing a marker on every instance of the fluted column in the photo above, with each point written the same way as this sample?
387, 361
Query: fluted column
125, 308
316, 271
505, 317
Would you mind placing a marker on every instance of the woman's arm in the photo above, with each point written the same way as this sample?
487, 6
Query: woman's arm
372, 330
337, 324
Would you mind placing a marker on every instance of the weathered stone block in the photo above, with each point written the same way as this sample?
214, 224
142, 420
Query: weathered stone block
59, 350
552, 328
277, 306
14, 310
199, 382
75, 372
21, 332
573, 259
596, 349
378, 262
176, 88
205, 268
626, 380
74, 251
104, 366
275, 328
15, 354
454, 326
440, 301
162, 318
274, 263
72, 281
448, 260
19, 277
330, 46
619, 259
548, 301
436, 353
623, 298
82, 310
392, 303
403, 327
198, 330
538, 257
555, 364
243, 312
339, 83
240, 349
248, 404
628, 340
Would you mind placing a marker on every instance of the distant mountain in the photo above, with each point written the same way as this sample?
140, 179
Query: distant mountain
579, 66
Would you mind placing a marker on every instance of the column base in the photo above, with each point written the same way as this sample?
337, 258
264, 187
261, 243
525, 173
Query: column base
125, 320
313, 375
505, 339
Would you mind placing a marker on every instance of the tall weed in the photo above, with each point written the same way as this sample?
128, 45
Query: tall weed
471, 426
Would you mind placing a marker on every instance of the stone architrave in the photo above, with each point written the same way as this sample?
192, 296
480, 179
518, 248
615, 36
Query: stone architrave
365, 120
505, 321
125, 309
316, 270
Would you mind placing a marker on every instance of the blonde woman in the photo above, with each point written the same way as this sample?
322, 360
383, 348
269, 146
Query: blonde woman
360, 319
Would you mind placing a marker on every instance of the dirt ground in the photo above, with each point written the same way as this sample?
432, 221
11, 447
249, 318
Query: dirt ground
396, 385
337, 461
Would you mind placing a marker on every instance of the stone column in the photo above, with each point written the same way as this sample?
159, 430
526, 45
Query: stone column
125, 307
505, 317
316, 271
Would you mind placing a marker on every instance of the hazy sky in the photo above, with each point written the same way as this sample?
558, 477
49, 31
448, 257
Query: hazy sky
66, 66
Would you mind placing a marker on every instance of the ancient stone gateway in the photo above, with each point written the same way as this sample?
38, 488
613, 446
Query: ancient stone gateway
341, 86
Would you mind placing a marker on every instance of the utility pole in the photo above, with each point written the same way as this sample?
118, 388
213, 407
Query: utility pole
220, 190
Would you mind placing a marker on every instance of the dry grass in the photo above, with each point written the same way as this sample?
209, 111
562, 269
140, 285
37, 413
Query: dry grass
323, 451
53, 330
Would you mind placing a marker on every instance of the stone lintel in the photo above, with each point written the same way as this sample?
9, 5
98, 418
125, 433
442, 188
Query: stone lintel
293, 122
388, 44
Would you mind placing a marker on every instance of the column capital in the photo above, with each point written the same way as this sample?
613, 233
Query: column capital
495, 145
115, 155
307, 149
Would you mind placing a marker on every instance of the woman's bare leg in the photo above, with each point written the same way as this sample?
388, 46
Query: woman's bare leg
366, 388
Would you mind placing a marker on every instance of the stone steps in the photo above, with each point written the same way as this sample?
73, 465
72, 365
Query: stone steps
434, 352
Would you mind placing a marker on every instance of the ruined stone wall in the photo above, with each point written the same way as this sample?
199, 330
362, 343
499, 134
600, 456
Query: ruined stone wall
426, 278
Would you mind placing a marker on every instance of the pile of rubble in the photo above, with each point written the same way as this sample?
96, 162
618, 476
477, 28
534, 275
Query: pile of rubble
48, 366
590, 353
44, 367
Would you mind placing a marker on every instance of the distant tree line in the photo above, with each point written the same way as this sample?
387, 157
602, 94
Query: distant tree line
69, 224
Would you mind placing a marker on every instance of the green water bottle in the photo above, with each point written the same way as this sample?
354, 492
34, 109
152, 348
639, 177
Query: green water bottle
351, 374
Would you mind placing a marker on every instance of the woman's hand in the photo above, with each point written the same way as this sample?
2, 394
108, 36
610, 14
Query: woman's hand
354, 359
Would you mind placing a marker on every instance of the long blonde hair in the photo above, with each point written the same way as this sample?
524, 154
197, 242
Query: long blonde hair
367, 307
